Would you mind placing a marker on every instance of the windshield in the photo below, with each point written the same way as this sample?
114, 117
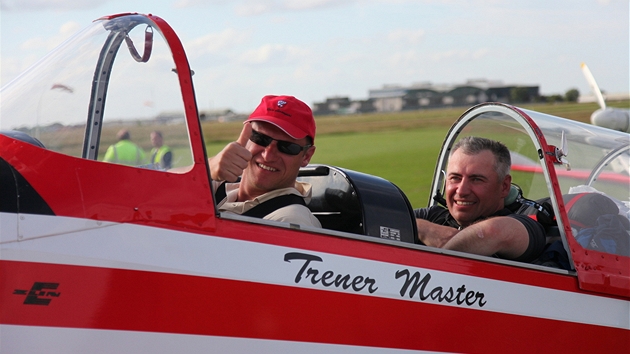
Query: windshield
589, 161
99, 77
597, 157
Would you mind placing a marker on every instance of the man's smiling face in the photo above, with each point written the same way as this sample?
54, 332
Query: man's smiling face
473, 188
270, 169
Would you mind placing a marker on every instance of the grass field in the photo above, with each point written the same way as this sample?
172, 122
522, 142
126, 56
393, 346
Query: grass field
401, 147
404, 157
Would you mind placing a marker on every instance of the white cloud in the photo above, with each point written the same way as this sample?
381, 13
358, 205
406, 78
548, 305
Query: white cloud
406, 36
250, 8
480, 53
216, 42
33, 43
257, 7
183, 4
12, 67
406, 58
66, 30
260, 55
307, 72
43, 5
312, 4
69, 28
274, 54
351, 57
450, 54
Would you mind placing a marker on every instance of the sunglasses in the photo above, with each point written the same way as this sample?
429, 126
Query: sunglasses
285, 147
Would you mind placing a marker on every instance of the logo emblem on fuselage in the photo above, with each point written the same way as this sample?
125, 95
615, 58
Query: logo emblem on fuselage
39, 294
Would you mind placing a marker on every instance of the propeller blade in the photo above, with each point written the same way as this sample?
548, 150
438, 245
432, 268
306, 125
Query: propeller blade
591, 81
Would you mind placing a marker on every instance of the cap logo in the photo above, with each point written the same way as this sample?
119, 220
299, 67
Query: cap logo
281, 103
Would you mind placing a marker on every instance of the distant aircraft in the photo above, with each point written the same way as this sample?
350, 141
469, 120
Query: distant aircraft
608, 117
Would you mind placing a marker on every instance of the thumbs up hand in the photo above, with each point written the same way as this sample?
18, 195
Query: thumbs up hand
229, 164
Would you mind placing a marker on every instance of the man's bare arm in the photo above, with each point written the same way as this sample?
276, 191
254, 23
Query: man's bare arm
434, 235
505, 236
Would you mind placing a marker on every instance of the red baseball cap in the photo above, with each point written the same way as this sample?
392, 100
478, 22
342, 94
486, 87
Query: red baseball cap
288, 113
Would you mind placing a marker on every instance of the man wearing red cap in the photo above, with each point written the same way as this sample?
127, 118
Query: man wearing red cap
277, 139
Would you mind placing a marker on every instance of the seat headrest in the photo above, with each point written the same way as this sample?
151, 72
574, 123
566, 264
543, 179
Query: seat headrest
583, 209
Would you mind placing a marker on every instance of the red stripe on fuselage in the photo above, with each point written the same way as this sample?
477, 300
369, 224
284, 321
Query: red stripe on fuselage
117, 299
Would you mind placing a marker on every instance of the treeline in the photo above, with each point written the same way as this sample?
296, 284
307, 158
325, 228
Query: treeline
523, 95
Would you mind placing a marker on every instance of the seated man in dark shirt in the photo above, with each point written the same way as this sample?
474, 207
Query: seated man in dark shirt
476, 221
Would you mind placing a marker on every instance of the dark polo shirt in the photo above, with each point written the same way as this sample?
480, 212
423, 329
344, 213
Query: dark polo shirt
537, 239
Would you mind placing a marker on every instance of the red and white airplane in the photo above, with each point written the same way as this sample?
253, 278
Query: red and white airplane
105, 258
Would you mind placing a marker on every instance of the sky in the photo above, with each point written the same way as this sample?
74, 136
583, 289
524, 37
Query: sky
315, 49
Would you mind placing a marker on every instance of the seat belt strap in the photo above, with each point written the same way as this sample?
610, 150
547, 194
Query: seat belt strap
265, 208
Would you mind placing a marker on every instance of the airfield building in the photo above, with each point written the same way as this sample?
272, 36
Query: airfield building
393, 98
343, 105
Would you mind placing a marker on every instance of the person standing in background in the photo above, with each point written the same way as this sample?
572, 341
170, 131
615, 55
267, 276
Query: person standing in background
161, 155
125, 152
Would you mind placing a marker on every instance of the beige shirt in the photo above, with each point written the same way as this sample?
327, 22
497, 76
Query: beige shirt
294, 213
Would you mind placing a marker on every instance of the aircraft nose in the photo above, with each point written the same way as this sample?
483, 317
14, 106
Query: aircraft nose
612, 119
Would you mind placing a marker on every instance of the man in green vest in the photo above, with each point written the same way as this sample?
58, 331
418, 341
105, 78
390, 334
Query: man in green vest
125, 152
161, 155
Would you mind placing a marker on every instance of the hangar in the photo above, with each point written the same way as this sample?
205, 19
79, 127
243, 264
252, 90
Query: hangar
393, 98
